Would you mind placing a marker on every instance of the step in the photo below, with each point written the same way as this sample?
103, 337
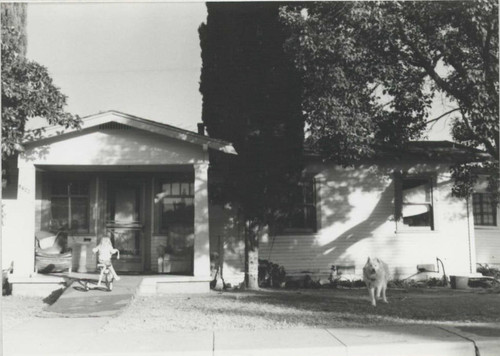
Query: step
174, 284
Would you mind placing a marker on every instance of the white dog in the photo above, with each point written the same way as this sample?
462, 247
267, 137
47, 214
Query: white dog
376, 275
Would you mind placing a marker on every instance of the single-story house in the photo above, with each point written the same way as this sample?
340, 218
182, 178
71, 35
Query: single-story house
145, 181
398, 207
148, 183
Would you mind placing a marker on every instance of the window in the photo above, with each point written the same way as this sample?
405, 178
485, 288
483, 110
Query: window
70, 205
485, 211
416, 203
176, 212
176, 204
303, 213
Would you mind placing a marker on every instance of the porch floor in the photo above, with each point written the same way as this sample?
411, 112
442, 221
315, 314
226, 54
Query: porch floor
144, 284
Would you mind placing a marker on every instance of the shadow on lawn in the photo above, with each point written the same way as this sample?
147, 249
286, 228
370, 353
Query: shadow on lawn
325, 307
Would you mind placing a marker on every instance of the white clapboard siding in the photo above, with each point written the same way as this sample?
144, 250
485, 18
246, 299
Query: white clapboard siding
357, 220
488, 246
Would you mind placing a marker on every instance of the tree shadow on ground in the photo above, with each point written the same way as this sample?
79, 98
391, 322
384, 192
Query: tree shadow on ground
316, 308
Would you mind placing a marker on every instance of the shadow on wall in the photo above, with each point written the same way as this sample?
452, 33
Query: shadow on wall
131, 146
123, 145
343, 185
358, 207
355, 203
226, 236
36, 153
380, 214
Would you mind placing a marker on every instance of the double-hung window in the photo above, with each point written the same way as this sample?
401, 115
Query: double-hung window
416, 204
303, 214
485, 211
70, 205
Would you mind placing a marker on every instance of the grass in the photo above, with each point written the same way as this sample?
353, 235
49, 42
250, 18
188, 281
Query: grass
279, 309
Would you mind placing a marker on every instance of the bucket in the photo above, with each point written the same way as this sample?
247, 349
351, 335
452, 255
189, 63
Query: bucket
459, 282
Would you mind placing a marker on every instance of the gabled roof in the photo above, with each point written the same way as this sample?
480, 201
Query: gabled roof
113, 116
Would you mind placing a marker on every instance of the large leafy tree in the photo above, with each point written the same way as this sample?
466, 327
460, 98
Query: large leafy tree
371, 69
27, 88
251, 97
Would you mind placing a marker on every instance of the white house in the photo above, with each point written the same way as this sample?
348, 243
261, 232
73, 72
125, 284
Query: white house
398, 207
143, 180
148, 182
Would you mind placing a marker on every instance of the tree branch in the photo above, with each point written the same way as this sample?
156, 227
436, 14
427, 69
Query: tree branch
440, 116
489, 76
424, 62
484, 140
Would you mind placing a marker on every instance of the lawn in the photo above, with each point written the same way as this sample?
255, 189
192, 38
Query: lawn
278, 309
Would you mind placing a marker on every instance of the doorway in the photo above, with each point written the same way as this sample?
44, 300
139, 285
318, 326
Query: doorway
125, 201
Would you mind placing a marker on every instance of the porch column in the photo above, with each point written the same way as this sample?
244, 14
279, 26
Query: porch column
201, 266
24, 256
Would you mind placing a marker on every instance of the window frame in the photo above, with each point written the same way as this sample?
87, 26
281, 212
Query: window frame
400, 204
70, 196
312, 206
177, 178
494, 211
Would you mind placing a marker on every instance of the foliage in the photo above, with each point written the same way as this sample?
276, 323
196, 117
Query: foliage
486, 270
411, 283
251, 98
271, 274
371, 69
347, 283
27, 92
6, 286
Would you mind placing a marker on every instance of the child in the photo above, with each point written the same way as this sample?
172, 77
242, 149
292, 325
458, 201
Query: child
106, 250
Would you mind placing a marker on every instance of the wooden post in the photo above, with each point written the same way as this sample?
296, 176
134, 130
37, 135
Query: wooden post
24, 259
201, 267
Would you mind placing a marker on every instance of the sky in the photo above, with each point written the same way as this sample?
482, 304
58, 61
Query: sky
142, 59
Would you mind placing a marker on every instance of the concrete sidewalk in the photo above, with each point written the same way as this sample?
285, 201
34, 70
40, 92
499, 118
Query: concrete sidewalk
83, 336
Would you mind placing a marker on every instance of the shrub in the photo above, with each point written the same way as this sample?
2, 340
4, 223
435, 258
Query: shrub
411, 283
6, 286
271, 274
486, 270
347, 283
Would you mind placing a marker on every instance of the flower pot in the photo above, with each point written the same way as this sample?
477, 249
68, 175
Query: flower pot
459, 282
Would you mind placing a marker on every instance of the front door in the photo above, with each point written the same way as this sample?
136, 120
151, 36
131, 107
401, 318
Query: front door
125, 218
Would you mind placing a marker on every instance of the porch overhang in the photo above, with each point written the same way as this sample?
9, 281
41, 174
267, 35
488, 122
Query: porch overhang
108, 143
113, 116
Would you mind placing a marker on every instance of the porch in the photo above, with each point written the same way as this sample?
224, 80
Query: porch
145, 182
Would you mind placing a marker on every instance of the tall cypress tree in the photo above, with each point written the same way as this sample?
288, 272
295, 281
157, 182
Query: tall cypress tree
251, 97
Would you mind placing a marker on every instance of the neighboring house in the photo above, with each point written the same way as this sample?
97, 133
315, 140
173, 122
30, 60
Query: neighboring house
146, 181
397, 207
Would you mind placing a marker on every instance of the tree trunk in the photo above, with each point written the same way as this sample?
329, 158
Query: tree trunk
252, 233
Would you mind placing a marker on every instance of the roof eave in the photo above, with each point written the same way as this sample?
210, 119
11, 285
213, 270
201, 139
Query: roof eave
142, 124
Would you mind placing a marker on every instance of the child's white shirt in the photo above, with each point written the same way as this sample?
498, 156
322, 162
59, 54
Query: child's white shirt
105, 253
